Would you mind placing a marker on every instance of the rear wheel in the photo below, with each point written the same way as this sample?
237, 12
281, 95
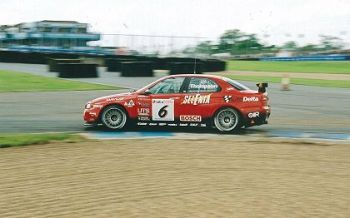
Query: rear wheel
226, 119
114, 117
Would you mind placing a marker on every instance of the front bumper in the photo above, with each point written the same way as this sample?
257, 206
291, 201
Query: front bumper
89, 125
90, 116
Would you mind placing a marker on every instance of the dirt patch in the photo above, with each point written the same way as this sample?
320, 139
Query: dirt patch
175, 178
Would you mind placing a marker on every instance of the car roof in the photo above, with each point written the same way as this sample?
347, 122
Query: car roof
183, 75
196, 75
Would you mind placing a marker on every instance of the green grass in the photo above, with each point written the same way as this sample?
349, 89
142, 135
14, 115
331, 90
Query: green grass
296, 81
23, 82
12, 140
340, 67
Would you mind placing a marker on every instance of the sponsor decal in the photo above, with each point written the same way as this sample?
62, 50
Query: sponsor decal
91, 106
227, 98
172, 124
143, 111
163, 109
250, 99
93, 114
190, 118
115, 99
253, 114
202, 86
129, 104
196, 99
143, 104
143, 118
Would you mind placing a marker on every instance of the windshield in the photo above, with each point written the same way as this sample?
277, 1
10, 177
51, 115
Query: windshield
235, 84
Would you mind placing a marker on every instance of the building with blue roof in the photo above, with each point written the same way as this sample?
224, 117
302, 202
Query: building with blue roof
48, 36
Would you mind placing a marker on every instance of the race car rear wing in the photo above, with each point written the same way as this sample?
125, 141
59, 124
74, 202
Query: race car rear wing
262, 87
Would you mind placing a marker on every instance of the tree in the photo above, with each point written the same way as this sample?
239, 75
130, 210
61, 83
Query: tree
309, 48
205, 47
331, 43
290, 45
237, 42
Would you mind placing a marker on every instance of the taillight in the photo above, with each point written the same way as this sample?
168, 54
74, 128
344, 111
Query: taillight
265, 98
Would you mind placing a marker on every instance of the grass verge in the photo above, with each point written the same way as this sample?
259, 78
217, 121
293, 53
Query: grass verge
23, 82
13, 140
337, 67
296, 81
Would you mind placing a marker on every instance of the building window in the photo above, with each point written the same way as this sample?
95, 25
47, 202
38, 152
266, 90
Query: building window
81, 30
64, 30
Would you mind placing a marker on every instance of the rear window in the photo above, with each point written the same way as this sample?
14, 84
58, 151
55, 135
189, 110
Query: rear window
235, 84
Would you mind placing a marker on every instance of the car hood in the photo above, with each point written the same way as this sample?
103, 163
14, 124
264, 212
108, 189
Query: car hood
115, 97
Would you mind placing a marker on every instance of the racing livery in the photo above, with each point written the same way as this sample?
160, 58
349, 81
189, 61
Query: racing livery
184, 100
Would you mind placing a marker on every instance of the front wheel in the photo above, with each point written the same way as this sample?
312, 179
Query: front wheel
226, 119
114, 117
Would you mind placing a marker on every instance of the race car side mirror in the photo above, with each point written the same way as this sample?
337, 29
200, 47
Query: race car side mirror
147, 92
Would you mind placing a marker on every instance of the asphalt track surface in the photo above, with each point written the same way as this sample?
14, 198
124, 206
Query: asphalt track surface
304, 108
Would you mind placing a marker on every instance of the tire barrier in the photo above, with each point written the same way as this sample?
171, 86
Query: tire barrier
77, 70
214, 65
32, 57
203, 65
245, 59
53, 63
137, 69
185, 68
92, 60
164, 63
22, 57
115, 64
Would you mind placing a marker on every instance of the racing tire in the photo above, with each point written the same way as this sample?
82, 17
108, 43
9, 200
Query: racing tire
114, 117
227, 120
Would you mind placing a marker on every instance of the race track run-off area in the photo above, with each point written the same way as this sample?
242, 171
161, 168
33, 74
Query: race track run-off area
176, 178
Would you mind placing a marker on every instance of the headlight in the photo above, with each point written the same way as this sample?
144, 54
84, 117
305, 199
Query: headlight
88, 106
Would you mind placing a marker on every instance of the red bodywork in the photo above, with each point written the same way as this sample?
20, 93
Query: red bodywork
184, 107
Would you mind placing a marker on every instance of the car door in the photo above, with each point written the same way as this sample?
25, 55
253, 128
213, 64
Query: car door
161, 103
199, 101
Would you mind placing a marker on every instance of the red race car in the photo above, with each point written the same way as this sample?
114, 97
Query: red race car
184, 100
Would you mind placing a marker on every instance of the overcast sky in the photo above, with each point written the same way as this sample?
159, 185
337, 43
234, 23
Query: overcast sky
282, 20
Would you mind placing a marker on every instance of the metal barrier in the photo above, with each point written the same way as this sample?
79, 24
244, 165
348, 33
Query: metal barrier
310, 58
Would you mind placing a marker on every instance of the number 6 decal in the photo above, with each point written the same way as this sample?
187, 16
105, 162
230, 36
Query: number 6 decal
163, 109
163, 112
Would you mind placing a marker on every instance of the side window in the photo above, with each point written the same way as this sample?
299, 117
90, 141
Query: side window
168, 86
202, 85
235, 84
